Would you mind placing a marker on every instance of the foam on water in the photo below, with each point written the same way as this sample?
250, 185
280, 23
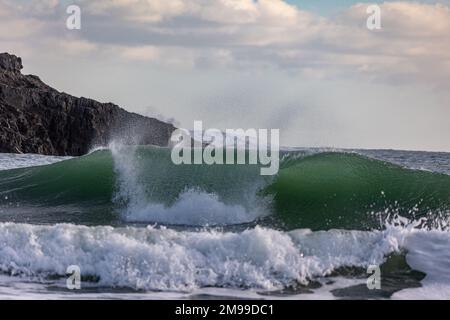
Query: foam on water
168, 260
429, 252
166, 263
164, 259
193, 206
13, 161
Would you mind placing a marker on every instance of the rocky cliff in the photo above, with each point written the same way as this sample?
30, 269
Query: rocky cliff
35, 118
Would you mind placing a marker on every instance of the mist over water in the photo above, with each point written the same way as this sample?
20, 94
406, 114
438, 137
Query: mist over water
174, 195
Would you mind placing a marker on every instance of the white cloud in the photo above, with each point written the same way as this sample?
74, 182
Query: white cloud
136, 10
76, 46
144, 53
219, 11
31, 7
414, 41
266, 38
18, 27
413, 44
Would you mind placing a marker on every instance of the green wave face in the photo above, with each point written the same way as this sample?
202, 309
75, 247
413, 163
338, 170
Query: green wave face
341, 190
322, 191
164, 181
84, 179
75, 190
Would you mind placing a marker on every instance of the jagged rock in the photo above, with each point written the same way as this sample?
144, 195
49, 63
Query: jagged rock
11, 63
35, 118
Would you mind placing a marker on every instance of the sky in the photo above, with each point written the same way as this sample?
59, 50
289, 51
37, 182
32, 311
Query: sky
310, 68
331, 7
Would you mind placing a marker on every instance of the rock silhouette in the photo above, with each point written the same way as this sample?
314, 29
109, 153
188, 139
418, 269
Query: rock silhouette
36, 118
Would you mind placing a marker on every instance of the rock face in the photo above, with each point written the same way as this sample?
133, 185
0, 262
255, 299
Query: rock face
35, 118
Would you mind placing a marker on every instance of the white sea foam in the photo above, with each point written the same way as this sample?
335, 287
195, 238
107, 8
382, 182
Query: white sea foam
429, 252
165, 259
173, 264
161, 259
193, 206
13, 161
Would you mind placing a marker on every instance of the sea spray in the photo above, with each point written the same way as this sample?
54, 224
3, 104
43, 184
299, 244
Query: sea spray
193, 206
129, 191
164, 259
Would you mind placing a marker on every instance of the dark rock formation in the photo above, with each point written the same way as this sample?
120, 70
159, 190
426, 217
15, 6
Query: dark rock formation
35, 118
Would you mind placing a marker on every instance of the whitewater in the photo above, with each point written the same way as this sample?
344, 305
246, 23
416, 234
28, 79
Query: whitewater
142, 228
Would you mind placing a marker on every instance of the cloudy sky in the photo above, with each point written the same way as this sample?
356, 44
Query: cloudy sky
308, 67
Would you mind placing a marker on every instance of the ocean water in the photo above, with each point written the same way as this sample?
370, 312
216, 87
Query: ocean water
140, 227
